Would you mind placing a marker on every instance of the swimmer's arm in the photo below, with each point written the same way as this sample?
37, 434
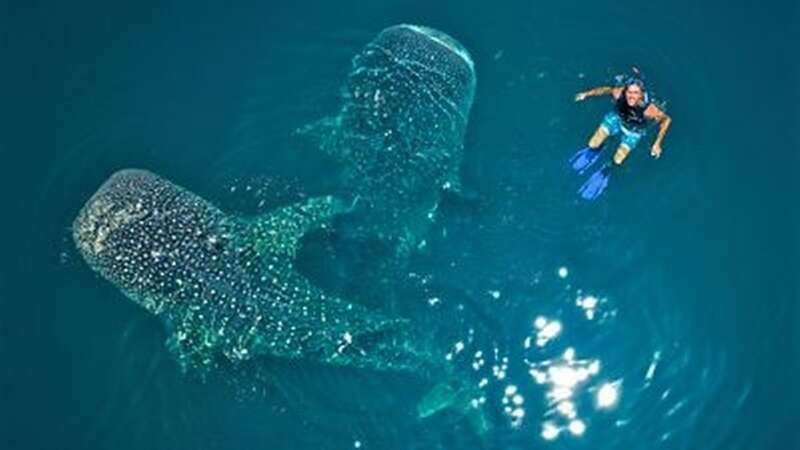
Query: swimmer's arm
602, 90
664, 120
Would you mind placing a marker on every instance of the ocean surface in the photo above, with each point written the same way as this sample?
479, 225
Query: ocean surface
668, 309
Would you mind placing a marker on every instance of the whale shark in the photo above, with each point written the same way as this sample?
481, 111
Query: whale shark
399, 134
227, 292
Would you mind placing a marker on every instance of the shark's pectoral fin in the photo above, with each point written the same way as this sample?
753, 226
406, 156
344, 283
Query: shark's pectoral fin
325, 135
192, 347
279, 232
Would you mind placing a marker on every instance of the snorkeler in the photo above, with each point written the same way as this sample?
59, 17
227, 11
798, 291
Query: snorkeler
632, 112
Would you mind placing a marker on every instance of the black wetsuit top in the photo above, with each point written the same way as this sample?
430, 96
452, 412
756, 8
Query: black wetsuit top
632, 116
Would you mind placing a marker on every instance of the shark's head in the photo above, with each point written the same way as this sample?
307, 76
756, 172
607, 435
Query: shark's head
146, 235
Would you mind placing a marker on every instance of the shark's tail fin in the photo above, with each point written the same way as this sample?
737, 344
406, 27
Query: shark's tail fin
456, 397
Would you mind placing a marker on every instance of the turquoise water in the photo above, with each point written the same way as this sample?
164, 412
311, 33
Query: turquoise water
693, 258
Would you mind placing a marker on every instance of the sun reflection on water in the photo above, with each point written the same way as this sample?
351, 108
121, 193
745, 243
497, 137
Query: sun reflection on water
560, 376
573, 382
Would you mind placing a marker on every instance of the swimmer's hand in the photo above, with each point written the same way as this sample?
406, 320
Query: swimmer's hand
655, 151
580, 96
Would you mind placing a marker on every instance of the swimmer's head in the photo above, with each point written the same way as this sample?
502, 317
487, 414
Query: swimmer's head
634, 91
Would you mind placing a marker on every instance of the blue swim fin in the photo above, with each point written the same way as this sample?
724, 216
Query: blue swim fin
584, 158
596, 184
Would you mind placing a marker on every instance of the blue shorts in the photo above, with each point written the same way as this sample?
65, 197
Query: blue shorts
613, 124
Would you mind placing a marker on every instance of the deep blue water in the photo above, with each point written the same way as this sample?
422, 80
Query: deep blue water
693, 258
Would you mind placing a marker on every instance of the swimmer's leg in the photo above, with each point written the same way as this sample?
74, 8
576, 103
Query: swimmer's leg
609, 127
621, 153
629, 141
598, 137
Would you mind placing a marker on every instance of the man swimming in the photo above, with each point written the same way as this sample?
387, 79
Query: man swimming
632, 112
